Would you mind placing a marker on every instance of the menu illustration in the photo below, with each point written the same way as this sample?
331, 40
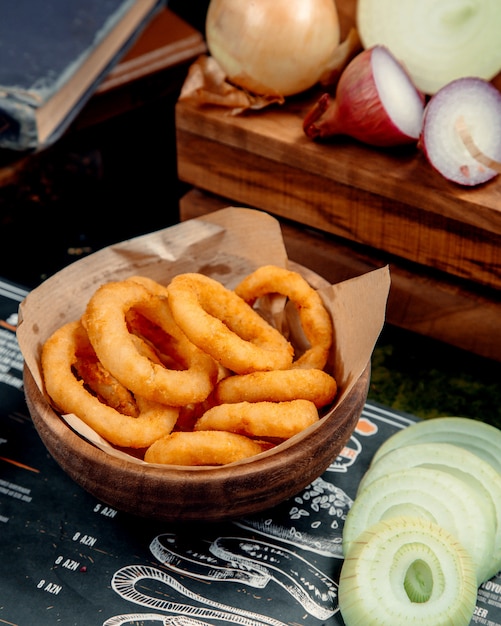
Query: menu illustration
70, 559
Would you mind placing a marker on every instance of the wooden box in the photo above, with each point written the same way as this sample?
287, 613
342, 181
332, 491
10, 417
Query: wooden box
391, 202
369, 206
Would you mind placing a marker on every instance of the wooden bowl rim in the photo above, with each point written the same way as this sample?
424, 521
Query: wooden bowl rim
270, 458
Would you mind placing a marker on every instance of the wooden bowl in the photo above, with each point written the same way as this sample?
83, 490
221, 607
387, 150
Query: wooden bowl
173, 493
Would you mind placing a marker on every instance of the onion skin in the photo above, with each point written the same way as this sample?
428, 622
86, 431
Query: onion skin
357, 110
273, 47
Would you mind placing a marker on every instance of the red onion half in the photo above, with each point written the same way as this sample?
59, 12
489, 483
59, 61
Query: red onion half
461, 134
376, 102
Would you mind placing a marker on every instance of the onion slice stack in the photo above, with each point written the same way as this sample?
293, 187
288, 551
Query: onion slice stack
456, 461
407, 570
424, 531
433, 494
477, 437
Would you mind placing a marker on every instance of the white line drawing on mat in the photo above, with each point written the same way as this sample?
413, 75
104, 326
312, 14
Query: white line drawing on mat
127, 579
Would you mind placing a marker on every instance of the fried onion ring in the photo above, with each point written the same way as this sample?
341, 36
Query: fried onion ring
152, 337
201, 448
105, 386
105, 320
220, 323
70, 395
153, 286
315, 320
151, 341
279, 386
279, 420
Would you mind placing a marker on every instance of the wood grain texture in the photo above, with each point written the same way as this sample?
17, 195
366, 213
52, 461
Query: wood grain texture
391, 202
347, 208
420, 300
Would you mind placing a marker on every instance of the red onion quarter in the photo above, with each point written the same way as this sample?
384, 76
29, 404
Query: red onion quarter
376, 102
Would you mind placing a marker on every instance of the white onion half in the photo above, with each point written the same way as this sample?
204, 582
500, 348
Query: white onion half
436, 40
273, 47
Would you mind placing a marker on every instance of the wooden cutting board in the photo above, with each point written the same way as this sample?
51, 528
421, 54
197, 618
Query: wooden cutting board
394, 202
389, 200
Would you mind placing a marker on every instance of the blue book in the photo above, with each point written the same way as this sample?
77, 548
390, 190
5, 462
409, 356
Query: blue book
53, 54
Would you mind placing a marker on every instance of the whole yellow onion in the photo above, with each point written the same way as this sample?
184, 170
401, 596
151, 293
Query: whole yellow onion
273, 47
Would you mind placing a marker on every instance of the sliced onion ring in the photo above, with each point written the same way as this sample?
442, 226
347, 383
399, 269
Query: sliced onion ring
407, 571
472, 147
430, 494
448, 458
478, 437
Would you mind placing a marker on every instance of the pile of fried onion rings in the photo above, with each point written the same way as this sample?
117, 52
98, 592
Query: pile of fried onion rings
191, 372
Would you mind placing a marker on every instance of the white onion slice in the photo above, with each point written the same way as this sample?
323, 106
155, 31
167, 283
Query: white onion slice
429, 494
407, 571
469, 105
478, 437
459, 462
438, 41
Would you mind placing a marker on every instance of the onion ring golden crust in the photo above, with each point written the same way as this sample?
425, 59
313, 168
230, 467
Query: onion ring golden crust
152, 342
278, 386
153, 286
70, 395
315, 318
279, 420
201, 448
220, 323
106, 324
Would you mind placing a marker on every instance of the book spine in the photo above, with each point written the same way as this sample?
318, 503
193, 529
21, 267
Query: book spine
18, 127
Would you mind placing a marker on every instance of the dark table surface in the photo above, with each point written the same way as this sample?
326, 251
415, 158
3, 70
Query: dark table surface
70, 559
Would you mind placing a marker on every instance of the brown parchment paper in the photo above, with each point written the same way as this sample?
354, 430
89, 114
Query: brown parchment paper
227, 245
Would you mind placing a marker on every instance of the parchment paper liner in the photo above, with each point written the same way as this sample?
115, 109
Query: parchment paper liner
227, 245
